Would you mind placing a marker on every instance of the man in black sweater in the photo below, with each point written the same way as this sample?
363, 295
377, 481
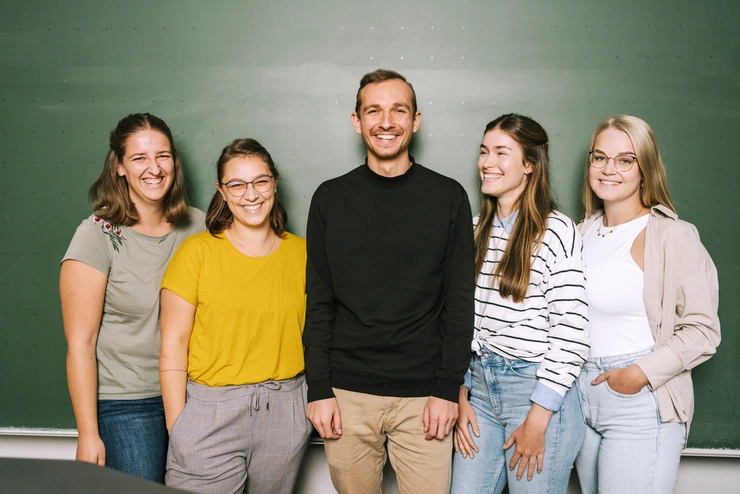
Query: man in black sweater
390, 282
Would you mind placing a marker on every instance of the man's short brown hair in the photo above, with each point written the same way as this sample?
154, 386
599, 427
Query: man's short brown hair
382, 75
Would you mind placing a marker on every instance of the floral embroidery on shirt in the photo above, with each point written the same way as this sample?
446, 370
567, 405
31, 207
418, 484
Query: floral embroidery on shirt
113, 232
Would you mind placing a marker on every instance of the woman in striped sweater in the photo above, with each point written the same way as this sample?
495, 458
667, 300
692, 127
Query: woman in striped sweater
517, 406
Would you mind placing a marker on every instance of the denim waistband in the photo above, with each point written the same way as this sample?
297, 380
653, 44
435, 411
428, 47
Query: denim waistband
615, 361
488, 354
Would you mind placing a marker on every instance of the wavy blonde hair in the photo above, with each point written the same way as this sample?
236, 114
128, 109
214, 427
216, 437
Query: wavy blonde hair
654, 188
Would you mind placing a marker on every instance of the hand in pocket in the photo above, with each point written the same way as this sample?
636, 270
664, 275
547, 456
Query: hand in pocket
627, 381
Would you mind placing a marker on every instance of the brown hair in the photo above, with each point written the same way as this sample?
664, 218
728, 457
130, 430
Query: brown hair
109, 193
218, 216
535, 205
654, 189
382, 75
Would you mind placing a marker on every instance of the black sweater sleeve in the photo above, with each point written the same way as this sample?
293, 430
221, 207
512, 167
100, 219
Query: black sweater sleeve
457, 314
321, 307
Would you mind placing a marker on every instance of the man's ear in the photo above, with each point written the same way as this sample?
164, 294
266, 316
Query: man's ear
417, 121
356, 123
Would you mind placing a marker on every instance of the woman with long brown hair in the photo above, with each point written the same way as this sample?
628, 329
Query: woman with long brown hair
530, 336
109, 286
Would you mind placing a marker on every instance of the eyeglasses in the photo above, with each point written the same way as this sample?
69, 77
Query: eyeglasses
622, 162
238, 188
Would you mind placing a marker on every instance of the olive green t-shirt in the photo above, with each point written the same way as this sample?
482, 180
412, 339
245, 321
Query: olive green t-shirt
129, 339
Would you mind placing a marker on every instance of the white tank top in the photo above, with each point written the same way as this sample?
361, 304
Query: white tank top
614, 285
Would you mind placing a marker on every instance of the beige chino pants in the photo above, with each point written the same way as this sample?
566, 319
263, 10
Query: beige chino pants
372, 425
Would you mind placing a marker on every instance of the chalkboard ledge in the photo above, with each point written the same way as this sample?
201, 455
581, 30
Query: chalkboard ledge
717, 453
17, 431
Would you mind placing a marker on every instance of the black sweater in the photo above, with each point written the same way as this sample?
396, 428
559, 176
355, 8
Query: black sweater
390, 283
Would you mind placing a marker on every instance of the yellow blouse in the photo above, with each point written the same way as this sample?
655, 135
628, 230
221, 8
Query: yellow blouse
250, 311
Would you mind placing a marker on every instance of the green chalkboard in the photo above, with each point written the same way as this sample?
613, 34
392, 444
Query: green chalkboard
286, 73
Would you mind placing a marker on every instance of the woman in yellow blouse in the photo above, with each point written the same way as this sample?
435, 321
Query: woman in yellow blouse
231, 365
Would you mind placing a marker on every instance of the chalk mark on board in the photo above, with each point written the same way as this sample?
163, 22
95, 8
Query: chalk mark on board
14, 266
20, 340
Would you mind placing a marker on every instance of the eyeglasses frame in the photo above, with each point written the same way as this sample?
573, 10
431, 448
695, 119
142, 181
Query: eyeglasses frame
247, 184
614, 159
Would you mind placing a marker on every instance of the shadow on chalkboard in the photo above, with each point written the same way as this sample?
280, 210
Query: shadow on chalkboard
195, 188
575, 176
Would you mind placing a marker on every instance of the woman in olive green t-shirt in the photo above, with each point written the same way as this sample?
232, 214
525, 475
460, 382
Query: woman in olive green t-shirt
109, 287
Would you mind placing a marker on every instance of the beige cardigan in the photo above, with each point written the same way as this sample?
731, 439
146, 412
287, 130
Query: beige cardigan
681, 295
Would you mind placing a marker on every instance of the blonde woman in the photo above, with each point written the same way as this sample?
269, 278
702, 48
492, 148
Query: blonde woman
653, 295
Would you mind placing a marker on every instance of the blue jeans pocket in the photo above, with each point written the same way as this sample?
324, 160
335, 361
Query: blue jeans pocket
644, 391
523, 368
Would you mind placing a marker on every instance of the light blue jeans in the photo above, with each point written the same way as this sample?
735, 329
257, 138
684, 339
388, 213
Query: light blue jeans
627, 448
500, 397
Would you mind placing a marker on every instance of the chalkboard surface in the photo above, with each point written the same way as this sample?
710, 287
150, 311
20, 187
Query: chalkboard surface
286, 74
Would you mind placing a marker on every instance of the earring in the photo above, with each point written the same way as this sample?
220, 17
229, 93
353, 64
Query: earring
276, 190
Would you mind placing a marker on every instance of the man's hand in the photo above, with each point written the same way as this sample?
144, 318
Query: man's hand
439, 418
326, 418
627, 381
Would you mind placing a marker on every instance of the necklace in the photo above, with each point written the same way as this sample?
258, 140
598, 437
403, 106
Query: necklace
233, 237
602, 235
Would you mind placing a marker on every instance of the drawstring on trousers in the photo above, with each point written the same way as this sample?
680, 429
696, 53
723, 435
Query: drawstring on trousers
267, 386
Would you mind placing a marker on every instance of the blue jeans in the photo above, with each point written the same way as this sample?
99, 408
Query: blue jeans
500, 397
627, 448
135, 436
